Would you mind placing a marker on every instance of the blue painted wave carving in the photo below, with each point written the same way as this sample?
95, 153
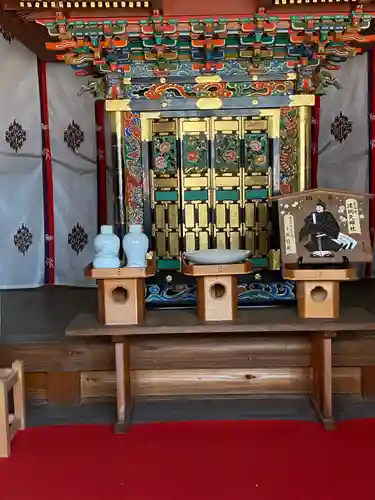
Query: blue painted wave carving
167, 295
248, 294
265, 292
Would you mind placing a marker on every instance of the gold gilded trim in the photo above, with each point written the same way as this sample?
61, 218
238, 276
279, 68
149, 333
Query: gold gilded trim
146, 133
162, 182
256, 125
273, 116
117, 105
208, 79
304, 148
151, 115
82, 4
302, 100
196, 182
146, 125
117, 128
194, 126
228, 181
116, 122
274, 260
209, 103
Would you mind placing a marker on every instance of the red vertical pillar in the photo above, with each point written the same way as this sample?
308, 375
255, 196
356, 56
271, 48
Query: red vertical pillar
371, 133
371, 101
101, 163
48, 199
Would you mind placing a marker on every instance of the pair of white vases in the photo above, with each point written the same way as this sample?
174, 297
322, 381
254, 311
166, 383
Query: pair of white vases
107, 247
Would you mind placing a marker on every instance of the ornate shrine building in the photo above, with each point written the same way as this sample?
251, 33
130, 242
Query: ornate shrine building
210, 106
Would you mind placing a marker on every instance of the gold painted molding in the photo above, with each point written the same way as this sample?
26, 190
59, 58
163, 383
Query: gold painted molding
151, 115
146, 124
274, 260
302, 100
304, 148
208, 79
273, 116
209, 103
117, 105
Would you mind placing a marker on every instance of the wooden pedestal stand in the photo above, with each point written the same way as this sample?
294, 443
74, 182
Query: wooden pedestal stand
216, 289
11, 380
121, 301
121, 293
318, 290
318, 297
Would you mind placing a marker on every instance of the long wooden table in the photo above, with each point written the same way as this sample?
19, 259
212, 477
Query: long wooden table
252, 321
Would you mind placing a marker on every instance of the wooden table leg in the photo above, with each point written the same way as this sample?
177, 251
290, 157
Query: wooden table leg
123, 387
321, 357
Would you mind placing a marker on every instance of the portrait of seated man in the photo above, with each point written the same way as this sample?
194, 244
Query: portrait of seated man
323, 233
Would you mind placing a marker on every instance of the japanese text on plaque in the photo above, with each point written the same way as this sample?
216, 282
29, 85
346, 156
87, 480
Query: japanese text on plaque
352, 216
289, 234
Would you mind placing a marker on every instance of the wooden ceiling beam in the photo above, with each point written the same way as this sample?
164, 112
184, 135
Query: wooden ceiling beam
30, 35
20, 22
41, 14
321, 8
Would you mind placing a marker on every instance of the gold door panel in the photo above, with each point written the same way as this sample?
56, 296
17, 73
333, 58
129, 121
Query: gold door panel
165, 181
256, 185
210, 180
195, 183
226, 182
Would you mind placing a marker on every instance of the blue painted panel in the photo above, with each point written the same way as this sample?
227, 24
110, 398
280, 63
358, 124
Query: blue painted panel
256, 194
227, 195
200, 195
164, 264
166, 195
259, 261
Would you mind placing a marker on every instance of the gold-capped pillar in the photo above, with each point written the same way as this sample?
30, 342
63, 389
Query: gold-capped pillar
304, 148
304, 104
116, 109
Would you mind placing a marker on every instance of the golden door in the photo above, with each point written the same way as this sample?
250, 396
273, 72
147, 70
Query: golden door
210, 179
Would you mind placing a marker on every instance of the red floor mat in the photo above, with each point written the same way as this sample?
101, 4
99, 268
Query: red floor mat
267, 460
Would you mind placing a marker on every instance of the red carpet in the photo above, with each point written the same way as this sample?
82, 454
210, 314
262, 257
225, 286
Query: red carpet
193, 461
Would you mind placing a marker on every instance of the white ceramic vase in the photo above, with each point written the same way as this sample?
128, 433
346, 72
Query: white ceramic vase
106, 246
135, 246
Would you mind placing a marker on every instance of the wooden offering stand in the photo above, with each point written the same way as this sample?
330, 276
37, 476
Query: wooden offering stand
121, 292
321, 232
318, 290
318, 297
216, 289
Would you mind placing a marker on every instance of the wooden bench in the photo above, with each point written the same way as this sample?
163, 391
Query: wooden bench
11, 379
257, 321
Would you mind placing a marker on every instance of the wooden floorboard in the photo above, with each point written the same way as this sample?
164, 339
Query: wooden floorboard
179, 409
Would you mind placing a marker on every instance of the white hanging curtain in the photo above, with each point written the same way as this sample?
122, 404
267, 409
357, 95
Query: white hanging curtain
343, 163
73, 152
21, 172
343, 130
